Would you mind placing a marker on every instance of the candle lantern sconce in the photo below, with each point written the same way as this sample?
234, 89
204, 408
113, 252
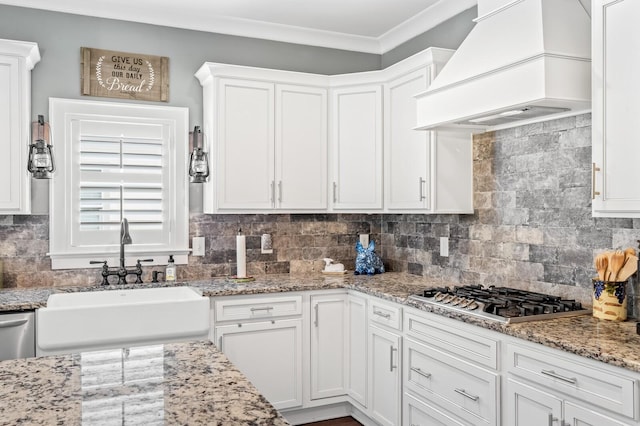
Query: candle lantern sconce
41, 164
198, 162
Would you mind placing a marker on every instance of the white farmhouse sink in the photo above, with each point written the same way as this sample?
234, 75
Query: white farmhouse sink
75, 322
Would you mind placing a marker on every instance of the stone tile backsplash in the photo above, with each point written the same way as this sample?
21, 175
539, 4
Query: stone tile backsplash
531, 228
300, 242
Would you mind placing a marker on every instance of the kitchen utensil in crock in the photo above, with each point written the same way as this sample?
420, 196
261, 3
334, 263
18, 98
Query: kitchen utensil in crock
601, 264
630, 267
630, 252
616, 263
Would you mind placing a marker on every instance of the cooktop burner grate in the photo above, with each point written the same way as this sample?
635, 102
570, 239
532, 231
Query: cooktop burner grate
501, 303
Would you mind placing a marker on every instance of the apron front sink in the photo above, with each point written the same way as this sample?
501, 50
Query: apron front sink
109, 319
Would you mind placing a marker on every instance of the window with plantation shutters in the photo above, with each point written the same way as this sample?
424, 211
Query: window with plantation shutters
118, 161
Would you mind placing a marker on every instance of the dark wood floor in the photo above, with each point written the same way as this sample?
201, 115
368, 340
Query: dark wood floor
342, 421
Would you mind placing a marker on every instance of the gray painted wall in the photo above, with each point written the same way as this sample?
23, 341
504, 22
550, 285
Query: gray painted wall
448, 35
61, 35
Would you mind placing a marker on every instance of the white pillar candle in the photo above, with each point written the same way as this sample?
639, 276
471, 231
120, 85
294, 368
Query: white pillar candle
241, 256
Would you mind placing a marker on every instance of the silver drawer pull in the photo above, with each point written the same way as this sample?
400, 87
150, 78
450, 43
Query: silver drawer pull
555, 375
13, 323
265, 308
382, 314
391, 366
467, 395
420, 372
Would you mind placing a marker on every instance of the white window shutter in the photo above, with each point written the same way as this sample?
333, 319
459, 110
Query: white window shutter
118, 160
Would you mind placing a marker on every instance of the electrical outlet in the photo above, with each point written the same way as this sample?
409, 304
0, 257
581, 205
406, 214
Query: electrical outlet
266, 246
364, 240
197, 246
444, 246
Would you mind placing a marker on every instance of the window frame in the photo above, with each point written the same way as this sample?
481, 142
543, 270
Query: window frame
64, 220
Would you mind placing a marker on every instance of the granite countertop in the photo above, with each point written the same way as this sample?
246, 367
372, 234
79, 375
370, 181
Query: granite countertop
615, 343
178, 383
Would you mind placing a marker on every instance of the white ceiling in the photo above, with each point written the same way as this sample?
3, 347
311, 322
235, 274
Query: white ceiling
373, 26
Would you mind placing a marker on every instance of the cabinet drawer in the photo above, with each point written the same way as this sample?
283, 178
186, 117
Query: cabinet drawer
235, 309
593, 382
448, 337
462, 388
385, 313
419, 413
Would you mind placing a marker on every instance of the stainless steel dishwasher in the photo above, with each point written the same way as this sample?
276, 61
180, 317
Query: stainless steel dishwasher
17, 335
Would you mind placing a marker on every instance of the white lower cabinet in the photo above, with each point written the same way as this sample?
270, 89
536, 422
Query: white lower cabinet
546, 386
324, 354
384, 375
445, 365
270, 355
415, 412
357, 352
263, 337
329, 335
531, 406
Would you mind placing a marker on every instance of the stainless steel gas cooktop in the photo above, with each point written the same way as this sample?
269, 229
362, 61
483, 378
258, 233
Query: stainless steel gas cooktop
502, 304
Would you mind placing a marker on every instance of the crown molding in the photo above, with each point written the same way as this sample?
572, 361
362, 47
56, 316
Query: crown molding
183, 18
422, 22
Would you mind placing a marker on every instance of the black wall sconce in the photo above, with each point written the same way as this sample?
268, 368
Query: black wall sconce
199, 162
41, 164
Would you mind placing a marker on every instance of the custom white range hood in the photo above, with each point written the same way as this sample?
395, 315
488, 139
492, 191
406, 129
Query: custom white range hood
524, 59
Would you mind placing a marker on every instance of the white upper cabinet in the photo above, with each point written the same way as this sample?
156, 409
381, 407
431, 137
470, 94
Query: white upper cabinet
267, 139
297, 142
301, 148
424, 172
407, 153
357, 147
615, 124
245, 136
17, 59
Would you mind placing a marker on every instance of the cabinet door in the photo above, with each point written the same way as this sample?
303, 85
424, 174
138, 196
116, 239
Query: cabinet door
357, 148
301, 148
328, 345
384, 376
615, 125
406, 151
270, 355
575, 415
357, 353
245, 163
452, 172
14, 136
528, 406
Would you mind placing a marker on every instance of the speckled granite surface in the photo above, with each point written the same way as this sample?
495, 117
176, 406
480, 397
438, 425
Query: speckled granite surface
172, 384
615, 343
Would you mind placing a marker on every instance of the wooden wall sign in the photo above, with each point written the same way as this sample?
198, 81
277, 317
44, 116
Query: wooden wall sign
124, 75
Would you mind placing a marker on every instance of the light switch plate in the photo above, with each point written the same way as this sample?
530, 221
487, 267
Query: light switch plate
197, 246
364, 240
444, 246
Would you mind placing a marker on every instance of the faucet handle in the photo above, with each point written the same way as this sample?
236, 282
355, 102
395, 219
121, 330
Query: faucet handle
154, 276
105, 270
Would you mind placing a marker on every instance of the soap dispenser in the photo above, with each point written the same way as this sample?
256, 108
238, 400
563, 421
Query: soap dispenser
170, 272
